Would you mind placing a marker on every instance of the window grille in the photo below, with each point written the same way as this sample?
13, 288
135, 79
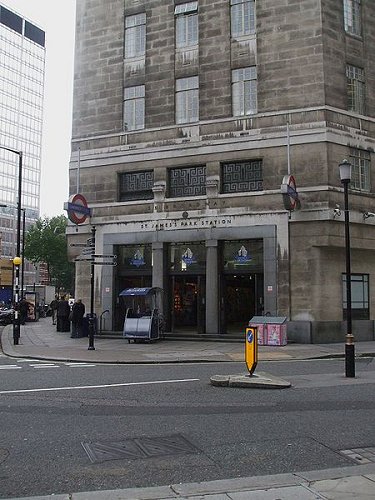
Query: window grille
356, 89
187, 181
360, 161
242, 17
244, 91
242, 176
187, 100
134, 108
136, 185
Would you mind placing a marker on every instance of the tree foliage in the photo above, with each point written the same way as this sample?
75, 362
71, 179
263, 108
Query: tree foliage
46, 242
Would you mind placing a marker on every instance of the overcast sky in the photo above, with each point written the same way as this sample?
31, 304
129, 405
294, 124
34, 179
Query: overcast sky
57, 19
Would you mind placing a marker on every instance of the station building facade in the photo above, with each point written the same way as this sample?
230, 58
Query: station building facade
187, 117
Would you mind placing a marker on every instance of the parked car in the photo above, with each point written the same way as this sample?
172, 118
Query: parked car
6, 316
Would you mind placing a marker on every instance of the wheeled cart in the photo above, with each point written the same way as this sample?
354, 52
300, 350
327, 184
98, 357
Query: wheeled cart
143, 317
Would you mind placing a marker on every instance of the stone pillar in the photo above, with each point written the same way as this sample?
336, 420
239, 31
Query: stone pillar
157, 264
212, 287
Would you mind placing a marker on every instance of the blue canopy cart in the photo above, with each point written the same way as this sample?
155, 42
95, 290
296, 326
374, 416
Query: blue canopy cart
143, 317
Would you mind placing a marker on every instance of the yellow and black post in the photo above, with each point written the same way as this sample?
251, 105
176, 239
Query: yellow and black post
251, 348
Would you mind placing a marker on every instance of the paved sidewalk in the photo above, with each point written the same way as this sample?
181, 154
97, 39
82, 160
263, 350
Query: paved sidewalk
357, 482
40, 340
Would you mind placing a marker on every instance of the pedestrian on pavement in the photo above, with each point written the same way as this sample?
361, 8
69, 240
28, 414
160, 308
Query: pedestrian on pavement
53, 306
23, 308
78, 311
63, 311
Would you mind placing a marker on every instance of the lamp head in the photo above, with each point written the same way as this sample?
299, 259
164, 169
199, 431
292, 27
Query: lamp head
345, 171
17, 261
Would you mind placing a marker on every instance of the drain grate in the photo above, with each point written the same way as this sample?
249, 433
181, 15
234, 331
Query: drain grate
360, 455
144, 447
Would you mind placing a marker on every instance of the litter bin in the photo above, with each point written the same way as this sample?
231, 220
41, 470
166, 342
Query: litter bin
271, 329
85, 325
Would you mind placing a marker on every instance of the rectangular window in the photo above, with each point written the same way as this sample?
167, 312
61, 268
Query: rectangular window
243, 176
352, 17
186, 24
183, 257
355, 78
134, 108
187, 100
10, 19
35, 34
136, 258
242, 17
136, 185
360, 296
244, 91
187, 181
135, 36
360, 161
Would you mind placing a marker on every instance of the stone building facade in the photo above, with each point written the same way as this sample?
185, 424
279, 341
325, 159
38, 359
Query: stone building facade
188, 116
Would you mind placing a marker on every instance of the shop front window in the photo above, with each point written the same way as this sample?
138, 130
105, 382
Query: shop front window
134, 258
188, 258
243, 256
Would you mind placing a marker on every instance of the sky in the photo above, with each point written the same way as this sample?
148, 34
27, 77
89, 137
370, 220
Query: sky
57, 19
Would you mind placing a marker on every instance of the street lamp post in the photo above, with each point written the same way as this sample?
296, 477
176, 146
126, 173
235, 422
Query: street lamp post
23, 251
345, 177
17, 259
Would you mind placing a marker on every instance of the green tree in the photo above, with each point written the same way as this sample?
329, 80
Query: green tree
46, 242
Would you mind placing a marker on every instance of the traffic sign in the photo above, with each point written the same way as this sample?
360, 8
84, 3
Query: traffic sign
251, 349
77, 208
88, 251
84, 257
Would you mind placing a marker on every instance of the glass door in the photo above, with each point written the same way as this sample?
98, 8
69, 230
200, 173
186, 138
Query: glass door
188, 304
239, 301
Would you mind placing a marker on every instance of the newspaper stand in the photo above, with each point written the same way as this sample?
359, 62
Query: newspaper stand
271, 329
143, 317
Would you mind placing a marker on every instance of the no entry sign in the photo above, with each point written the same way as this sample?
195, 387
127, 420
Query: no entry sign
77, 209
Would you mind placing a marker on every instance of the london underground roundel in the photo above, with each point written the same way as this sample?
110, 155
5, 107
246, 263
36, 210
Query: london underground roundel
77, 209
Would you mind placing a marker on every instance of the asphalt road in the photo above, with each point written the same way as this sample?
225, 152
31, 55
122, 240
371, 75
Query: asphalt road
118, 426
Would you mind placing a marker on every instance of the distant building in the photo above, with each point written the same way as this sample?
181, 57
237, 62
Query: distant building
187, 117
22, 58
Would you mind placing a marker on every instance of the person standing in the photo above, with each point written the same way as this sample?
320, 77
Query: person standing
23, 308
78, 311
53, 306
63, 311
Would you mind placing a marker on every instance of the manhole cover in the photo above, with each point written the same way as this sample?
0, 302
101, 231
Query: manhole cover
360, 455
144, 447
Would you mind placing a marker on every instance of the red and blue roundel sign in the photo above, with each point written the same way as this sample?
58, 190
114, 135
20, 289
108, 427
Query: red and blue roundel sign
289, 192
77, 209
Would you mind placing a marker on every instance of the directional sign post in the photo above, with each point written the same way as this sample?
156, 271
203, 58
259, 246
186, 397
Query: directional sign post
92, 282
88, 255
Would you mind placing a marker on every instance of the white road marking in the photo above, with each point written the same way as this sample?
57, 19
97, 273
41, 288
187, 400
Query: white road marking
10, 367
44, 366
79, 365
25, 360
153, 382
